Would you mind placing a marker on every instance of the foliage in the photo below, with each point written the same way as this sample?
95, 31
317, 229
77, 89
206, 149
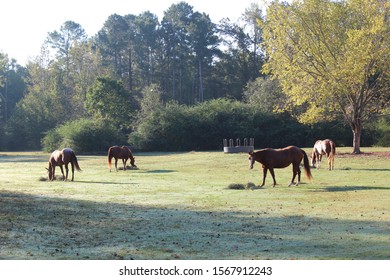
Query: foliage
83, 135
135, 64
382, 129
34, 115
204, 126
264, 93
108, 100
331, 56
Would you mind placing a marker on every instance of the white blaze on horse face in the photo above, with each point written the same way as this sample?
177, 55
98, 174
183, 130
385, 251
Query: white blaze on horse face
251, 162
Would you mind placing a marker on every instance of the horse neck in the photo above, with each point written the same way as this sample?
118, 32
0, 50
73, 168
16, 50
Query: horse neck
259, 156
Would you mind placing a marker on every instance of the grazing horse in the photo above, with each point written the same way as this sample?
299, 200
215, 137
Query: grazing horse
281, 158
122, 152
323, 147
60, 158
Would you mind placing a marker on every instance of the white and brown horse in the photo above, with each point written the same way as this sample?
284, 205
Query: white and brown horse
323, 147
60, 158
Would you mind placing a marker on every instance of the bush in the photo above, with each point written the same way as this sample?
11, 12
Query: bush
383, 130
175, 127
83, 136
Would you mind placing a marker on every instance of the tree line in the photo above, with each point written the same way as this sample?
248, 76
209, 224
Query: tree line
144, 81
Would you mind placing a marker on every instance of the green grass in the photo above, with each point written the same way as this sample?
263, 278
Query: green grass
179, 206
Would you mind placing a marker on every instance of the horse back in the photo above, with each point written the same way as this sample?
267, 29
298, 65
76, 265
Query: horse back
119, 152
56, 158
328, 147
67, 155
318, 147
279, 158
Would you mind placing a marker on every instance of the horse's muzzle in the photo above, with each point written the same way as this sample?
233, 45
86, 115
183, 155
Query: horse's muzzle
251, 163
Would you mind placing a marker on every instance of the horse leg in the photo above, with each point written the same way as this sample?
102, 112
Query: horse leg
296, 171
124, 163
67, 171
53, 174
331, 162
319, 161
116, 163
299, 174
271, 170
72, 170
62, 171
264, 175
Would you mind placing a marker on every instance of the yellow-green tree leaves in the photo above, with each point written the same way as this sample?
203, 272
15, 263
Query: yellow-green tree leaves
331, 56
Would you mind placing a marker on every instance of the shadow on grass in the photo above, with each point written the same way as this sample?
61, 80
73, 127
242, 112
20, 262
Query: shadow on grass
350, 189
22, 158
104, 182
40, 227
365, 169
160, 171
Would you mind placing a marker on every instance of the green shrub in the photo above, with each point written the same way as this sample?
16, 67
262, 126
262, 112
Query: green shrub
383, 128
83, 136
175, 127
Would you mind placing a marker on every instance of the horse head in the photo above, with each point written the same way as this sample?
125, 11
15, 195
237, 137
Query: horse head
132, 162
251, 160
50, 173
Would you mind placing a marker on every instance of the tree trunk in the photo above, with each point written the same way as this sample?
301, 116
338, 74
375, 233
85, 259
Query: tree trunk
130, 71
201, 98
357, 132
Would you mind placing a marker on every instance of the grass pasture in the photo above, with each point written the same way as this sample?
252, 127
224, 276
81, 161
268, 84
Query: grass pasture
179, 206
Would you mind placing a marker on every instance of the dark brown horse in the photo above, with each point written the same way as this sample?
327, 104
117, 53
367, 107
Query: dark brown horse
123, 153
323, 147
60, 158
281, 158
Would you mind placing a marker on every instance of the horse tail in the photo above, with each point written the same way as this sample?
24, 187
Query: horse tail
110, 156
333, 147
306, 165
76, 163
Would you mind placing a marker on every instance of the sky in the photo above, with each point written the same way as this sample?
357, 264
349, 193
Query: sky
25, 24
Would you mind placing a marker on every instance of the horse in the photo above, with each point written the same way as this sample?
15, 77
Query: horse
281, 158
323, 147
123, 153
60, 158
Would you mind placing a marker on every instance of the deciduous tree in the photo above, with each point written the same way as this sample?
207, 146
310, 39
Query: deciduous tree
332, 56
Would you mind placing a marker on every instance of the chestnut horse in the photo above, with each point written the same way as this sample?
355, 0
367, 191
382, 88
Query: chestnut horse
323, 147
60, 158
122, 152
281, 158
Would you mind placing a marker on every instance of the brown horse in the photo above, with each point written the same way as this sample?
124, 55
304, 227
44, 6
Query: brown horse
122, 152
323, 147
60, 158
281, 158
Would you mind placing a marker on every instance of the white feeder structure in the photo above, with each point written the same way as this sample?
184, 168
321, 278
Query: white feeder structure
247, 147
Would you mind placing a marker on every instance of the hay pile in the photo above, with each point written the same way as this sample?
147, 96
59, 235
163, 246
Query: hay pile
248, 186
